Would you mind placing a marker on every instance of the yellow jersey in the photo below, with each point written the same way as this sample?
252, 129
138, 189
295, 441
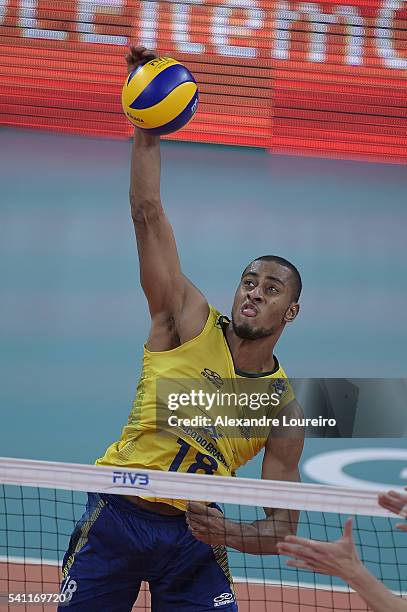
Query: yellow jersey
217, 428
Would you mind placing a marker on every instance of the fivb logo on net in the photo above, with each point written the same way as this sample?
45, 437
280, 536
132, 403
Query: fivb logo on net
130, 479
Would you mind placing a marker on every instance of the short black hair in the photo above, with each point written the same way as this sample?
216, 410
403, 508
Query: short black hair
295, 275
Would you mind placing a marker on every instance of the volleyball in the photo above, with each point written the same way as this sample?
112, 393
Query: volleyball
160, 97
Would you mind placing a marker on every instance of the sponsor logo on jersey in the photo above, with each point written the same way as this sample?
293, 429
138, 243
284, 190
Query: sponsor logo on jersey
223, 600
279, 385
213, 432
213, 377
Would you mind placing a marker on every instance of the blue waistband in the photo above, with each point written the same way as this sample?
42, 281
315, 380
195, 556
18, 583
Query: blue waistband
125, 505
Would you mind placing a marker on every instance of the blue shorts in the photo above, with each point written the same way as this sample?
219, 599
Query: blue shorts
116, 545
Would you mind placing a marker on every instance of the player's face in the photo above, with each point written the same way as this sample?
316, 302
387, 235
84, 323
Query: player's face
263, 302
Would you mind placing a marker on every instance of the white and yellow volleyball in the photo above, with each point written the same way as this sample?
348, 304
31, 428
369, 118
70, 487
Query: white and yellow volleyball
160, 97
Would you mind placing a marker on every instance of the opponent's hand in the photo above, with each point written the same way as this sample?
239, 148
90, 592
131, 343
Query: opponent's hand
206, 524
138, 56
397, 503
338, 558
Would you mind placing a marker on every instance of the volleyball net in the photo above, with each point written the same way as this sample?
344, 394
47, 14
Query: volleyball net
40, 503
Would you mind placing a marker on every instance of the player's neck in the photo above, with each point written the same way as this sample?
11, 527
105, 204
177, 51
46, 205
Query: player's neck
252, 356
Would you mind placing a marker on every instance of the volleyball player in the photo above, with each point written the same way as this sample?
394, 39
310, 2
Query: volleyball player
180, 550
340, 558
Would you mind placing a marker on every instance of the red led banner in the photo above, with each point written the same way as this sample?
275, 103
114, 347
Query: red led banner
311, 78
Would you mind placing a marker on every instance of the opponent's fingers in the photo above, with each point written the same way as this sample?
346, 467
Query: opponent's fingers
393, 499
403, 502
298, 552
396, 508
396, 495
292, 539
388, 504
299, 564
306, 543
347, 529
312, 567
402, 526
287, 549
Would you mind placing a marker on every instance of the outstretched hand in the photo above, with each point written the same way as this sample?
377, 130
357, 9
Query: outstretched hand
338, 558
397, 503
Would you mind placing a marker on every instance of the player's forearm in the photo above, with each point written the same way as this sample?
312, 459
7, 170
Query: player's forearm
375, 594
145, 173
261, 537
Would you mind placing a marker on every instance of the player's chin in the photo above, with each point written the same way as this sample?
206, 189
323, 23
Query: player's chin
246, 329
251, 323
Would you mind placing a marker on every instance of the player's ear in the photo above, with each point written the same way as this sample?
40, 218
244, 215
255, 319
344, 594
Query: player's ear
291, 312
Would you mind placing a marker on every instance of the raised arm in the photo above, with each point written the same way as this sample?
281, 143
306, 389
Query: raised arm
340, 558
178, 309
